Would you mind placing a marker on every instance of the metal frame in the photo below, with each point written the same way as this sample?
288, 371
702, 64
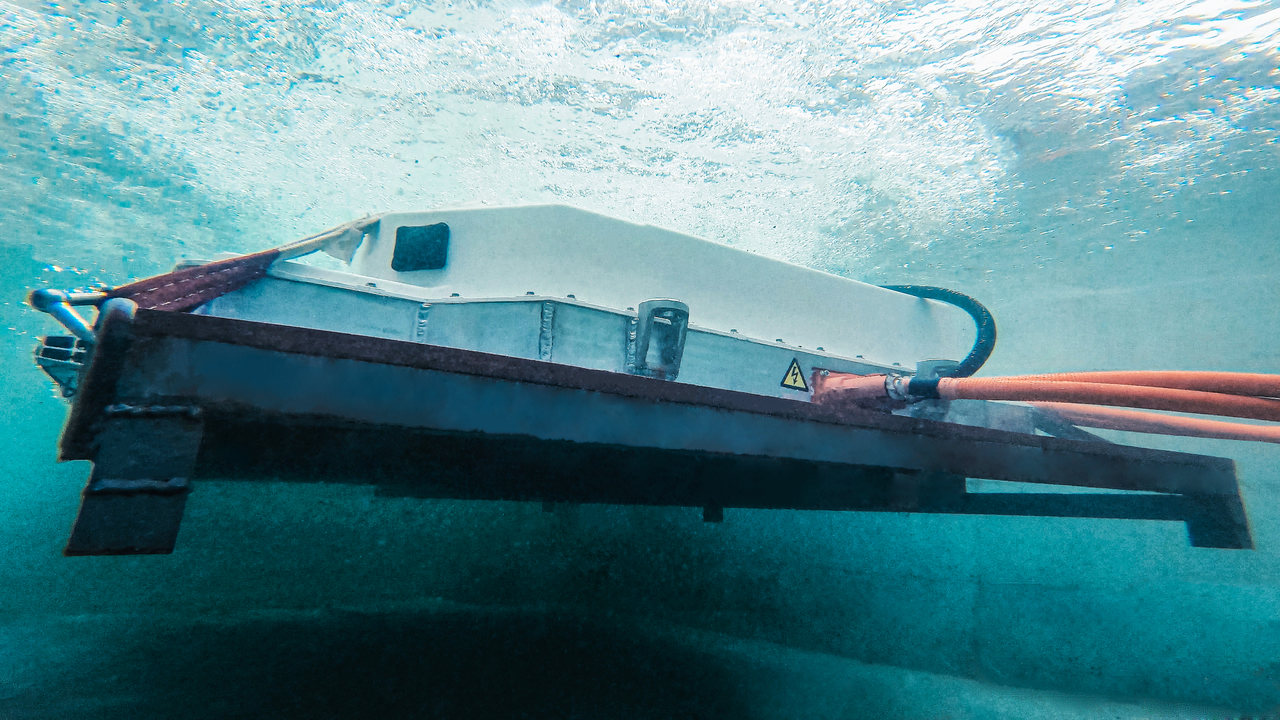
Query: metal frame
295, 403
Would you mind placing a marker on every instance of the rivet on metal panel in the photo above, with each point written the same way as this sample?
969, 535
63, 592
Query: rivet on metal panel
420, 329
546, 333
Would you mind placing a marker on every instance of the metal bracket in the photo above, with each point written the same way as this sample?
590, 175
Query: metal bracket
60, 304
63, 358
660, 329
929, 369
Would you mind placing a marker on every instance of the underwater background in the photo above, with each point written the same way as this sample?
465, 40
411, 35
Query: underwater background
1105, 177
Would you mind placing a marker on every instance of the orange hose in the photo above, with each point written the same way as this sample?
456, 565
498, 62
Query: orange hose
1256, 384
1145, 422
1149, 398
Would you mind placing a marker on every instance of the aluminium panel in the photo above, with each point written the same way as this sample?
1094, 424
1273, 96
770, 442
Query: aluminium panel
555, 250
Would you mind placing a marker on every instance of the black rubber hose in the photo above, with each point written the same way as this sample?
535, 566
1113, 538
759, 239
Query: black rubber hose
986, 339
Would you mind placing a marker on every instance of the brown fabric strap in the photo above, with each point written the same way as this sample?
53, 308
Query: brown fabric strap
191, 287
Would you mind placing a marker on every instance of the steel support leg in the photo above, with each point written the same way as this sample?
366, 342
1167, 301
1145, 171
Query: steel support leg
137, 492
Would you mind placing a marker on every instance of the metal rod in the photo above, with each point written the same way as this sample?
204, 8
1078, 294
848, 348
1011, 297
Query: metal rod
58, 304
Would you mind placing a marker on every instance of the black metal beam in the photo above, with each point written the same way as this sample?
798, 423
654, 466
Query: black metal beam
476, 466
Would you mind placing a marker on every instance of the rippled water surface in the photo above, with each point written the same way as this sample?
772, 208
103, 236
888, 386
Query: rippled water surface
1105, 176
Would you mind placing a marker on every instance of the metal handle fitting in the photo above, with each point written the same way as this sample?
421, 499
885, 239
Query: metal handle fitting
58, 304
662, 325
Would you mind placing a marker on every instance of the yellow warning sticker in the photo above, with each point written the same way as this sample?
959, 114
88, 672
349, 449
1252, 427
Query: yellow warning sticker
794, 379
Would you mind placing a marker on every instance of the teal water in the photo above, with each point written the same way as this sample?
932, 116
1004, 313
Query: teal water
1105, 177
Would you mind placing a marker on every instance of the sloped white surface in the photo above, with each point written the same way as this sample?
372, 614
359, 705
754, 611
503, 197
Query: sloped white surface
559, 250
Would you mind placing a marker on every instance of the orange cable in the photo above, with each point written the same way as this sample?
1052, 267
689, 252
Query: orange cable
1144, 422
1134, 396
1231, 383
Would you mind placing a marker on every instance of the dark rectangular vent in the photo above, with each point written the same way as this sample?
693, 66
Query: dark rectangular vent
421, 248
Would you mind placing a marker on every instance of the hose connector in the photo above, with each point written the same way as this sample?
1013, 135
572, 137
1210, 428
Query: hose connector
898, 388
870, 392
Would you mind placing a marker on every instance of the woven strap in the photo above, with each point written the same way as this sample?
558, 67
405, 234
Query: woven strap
190, 287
